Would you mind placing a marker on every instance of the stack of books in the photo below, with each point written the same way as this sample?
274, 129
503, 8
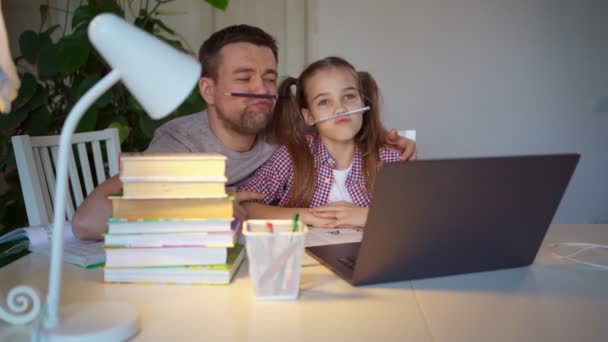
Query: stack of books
173, 222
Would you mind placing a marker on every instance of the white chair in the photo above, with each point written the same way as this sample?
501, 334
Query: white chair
36, 162
408, 133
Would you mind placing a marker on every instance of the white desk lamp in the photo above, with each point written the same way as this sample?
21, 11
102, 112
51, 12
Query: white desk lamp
160, 78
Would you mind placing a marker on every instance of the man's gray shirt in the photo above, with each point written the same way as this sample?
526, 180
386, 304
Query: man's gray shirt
192, 134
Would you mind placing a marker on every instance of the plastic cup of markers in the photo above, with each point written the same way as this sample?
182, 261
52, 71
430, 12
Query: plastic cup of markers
275, 256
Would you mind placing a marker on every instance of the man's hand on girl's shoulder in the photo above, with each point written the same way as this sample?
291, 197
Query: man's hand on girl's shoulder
407, 146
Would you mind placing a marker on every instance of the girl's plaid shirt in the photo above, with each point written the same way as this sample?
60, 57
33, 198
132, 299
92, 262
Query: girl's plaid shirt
275, 177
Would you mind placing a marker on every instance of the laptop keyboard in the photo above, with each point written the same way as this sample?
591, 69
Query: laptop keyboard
349, 262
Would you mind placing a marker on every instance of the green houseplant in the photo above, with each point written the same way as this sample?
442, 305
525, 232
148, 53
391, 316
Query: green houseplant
56, 66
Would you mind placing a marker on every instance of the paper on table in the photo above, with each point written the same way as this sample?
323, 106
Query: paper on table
37, 235
40, 235
323, 236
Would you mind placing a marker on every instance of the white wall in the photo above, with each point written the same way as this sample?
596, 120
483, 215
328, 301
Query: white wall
18, 18
285, 20
488, 77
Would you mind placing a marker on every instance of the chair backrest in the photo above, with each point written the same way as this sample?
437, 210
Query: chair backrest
408, 133
36, 162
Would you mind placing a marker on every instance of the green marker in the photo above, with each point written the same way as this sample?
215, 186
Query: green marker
295, 222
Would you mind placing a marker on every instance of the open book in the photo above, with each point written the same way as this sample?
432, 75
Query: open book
38, 240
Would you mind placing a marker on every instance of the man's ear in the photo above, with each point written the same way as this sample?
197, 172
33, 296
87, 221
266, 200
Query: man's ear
308, 118
206, 87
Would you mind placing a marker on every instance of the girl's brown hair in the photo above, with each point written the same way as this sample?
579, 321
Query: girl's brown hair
288, 128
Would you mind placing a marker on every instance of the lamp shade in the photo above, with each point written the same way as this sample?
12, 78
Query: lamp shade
168, 74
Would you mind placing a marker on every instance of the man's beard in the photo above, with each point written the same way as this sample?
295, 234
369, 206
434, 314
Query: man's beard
248, 122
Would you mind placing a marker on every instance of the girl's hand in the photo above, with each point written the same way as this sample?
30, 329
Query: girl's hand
341, 214
315, 221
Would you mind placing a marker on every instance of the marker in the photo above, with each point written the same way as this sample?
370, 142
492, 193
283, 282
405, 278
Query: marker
294, 226
254, 96
342, 114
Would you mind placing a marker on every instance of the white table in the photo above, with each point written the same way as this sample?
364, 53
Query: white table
550, 300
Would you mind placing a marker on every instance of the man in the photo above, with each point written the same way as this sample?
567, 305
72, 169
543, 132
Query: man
237, 59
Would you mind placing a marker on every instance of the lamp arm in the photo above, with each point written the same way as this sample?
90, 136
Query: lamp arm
18, 299
65, 143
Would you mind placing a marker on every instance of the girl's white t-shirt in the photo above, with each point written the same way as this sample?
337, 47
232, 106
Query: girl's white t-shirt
339, 192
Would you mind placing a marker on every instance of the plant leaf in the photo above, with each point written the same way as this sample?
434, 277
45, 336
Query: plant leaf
12, 176
133, 105
19, 115
40, 98
15, 214
147, 125
123, 130
13, 119
164, 27
29, 46
219, 4
88, 121
104, 99
51, 29
94, 64
47, 57
83, 15
27, 89
107, 6
73, 53
3, 143
139, 141
144, 21
86, 84
39, 121
9, 163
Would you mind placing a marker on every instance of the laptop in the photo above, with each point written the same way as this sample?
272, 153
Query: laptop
434, 218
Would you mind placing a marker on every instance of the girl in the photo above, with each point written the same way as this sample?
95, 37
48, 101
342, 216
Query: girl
332, 167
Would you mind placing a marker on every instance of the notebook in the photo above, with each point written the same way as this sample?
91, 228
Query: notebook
37, 239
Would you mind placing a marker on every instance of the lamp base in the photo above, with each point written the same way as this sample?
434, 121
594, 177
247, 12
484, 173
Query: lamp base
94, 321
